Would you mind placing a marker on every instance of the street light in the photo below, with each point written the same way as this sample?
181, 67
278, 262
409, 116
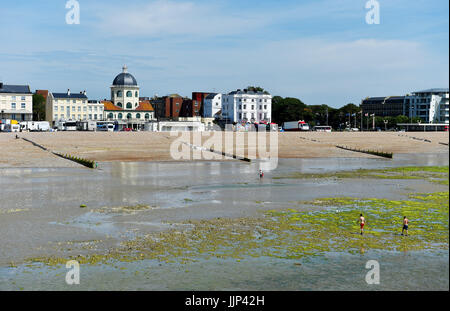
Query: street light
385, 124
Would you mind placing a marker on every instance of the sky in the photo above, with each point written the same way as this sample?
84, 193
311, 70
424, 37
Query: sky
320, 51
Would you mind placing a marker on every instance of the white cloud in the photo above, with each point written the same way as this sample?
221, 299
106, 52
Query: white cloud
160, 18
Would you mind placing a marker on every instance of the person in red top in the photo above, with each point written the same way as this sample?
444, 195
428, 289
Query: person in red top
261, 174
405, 225
362, 222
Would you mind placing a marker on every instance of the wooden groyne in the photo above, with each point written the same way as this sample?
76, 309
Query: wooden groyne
219, 152
82, 161
383, 154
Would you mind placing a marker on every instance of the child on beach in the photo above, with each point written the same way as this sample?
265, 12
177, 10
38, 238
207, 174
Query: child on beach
362, 222
405, 225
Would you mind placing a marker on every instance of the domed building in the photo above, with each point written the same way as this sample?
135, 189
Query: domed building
125, 106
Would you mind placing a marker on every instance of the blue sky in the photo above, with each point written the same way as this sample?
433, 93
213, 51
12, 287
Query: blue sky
321, 51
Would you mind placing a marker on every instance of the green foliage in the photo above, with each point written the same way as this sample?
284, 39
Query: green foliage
257, 89
38, 107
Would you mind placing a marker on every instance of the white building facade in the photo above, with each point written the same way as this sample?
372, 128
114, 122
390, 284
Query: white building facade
72, 107
212, 105
431, 105
246, 106
16, 102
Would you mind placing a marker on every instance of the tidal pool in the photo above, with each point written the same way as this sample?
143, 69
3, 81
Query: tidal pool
129, 206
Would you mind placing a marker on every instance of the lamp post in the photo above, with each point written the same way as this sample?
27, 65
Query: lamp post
385, 124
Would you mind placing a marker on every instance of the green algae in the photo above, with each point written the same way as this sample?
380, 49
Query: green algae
293, 233
438, 174
124, 209
297, 233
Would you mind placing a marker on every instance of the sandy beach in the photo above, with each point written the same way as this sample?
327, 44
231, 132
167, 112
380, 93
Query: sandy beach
149, 146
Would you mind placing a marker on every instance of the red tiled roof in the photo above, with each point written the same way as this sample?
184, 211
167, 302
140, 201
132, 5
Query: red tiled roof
108, 106
145, 106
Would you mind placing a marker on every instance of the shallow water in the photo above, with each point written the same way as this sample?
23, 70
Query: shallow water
40, 208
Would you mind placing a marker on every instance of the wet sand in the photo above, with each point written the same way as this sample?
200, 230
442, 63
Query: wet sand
40, 209
149, 146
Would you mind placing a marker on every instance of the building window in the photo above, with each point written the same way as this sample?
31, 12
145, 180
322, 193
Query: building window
56, 108
136, 94
138, 115
265, 106
56, 116
119, 105
90, 117
23, 97
245, 107
147, 116
95, 117
253, 107
22, 105
73, 108
129, 94
110, 115
129, 106
74, 101
13, 97
129, 116
13, 105
119, 93
84, 109
79, 108
119, 116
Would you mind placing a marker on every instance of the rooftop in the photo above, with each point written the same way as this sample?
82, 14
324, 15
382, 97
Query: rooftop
70, 95
435, 90
21, 89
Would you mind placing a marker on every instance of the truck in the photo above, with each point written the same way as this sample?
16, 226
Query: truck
35, 126
87, 125
296, 126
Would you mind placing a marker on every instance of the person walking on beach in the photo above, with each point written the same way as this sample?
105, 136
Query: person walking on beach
405, 225
362, 222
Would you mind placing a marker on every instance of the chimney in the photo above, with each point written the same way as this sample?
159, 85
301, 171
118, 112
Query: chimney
68, 92
84, 92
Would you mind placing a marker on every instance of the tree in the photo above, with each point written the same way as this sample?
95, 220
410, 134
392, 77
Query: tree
257, 89
38, 107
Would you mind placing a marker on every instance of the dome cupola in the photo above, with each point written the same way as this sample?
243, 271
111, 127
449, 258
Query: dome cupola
124, 78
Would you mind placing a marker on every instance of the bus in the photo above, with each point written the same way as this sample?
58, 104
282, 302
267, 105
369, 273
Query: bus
322, 128
69, 126
105, 127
